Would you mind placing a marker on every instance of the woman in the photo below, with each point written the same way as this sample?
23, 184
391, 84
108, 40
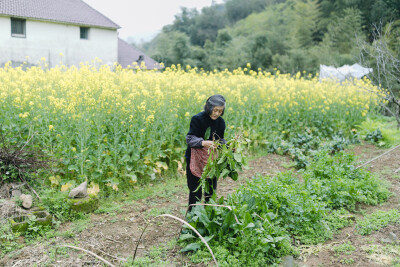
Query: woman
209, 120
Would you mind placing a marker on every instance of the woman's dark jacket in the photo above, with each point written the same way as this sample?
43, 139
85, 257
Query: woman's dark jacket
198, 127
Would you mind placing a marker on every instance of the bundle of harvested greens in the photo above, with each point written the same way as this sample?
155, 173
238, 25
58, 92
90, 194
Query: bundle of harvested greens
229, 162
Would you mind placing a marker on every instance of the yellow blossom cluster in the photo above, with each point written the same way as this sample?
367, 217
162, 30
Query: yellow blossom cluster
106, 121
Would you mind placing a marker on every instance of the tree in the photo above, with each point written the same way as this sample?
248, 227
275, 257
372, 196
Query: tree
386, 65
260, 53
207, 25
184, 22
236, 54
305, 17
172, 48
293, 35
343, 30
223, 38
239, 9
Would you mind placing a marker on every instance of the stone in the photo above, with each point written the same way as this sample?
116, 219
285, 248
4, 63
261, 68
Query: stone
386, 240
85, 205
26, 201
40, 217
7, 208
79, 192
16, 193
392, 236
390, 239
287, 261
4, 191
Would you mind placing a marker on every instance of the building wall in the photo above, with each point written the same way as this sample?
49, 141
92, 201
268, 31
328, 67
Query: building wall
57, 43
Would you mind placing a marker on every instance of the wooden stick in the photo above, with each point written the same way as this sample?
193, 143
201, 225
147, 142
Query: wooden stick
30, 188
377, 157
110, 238
111, 256
88, 252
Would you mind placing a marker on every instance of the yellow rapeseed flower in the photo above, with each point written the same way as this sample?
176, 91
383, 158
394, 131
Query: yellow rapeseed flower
65, 187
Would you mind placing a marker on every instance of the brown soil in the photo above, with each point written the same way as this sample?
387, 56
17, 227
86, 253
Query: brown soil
114, 236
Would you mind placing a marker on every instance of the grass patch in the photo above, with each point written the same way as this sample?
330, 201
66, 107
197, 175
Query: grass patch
8, 240
163, 189
110, 207
347, 261
157, 256
346, 248
377, 220
153, 212
387, 126
77, 226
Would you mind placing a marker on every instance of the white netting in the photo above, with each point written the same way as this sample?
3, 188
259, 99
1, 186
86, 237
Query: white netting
345, 72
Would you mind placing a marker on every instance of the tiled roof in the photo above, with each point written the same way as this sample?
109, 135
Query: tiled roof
67, 11
127, 55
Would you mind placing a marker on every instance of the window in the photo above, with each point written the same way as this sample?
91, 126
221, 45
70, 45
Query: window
18, 27
140, 59
84, 33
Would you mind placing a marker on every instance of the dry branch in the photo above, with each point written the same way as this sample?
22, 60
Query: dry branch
377, 157
87, 251
386, 66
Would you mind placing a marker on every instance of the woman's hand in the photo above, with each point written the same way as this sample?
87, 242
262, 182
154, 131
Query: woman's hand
208, 144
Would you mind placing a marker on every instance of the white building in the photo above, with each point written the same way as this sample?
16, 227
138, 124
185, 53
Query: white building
61, 31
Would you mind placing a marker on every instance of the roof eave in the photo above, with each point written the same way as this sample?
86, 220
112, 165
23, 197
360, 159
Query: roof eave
62, 22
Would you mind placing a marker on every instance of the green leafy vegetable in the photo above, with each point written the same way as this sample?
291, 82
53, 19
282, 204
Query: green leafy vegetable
230, 161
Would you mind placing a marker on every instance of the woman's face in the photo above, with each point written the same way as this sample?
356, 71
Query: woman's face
216, 112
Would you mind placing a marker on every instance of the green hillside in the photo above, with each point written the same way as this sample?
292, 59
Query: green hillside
292, 35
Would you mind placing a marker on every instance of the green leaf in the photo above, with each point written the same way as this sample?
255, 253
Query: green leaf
191, 247
186, 236
228, 220
203, 218
207, 133
268, 239
73, 167
280, 238
250, 225
211, 173
132, 176
135, 156
234, 175
237, 157
129, 168
125, 158
248, 219
224, 173
208, 238
222, 159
